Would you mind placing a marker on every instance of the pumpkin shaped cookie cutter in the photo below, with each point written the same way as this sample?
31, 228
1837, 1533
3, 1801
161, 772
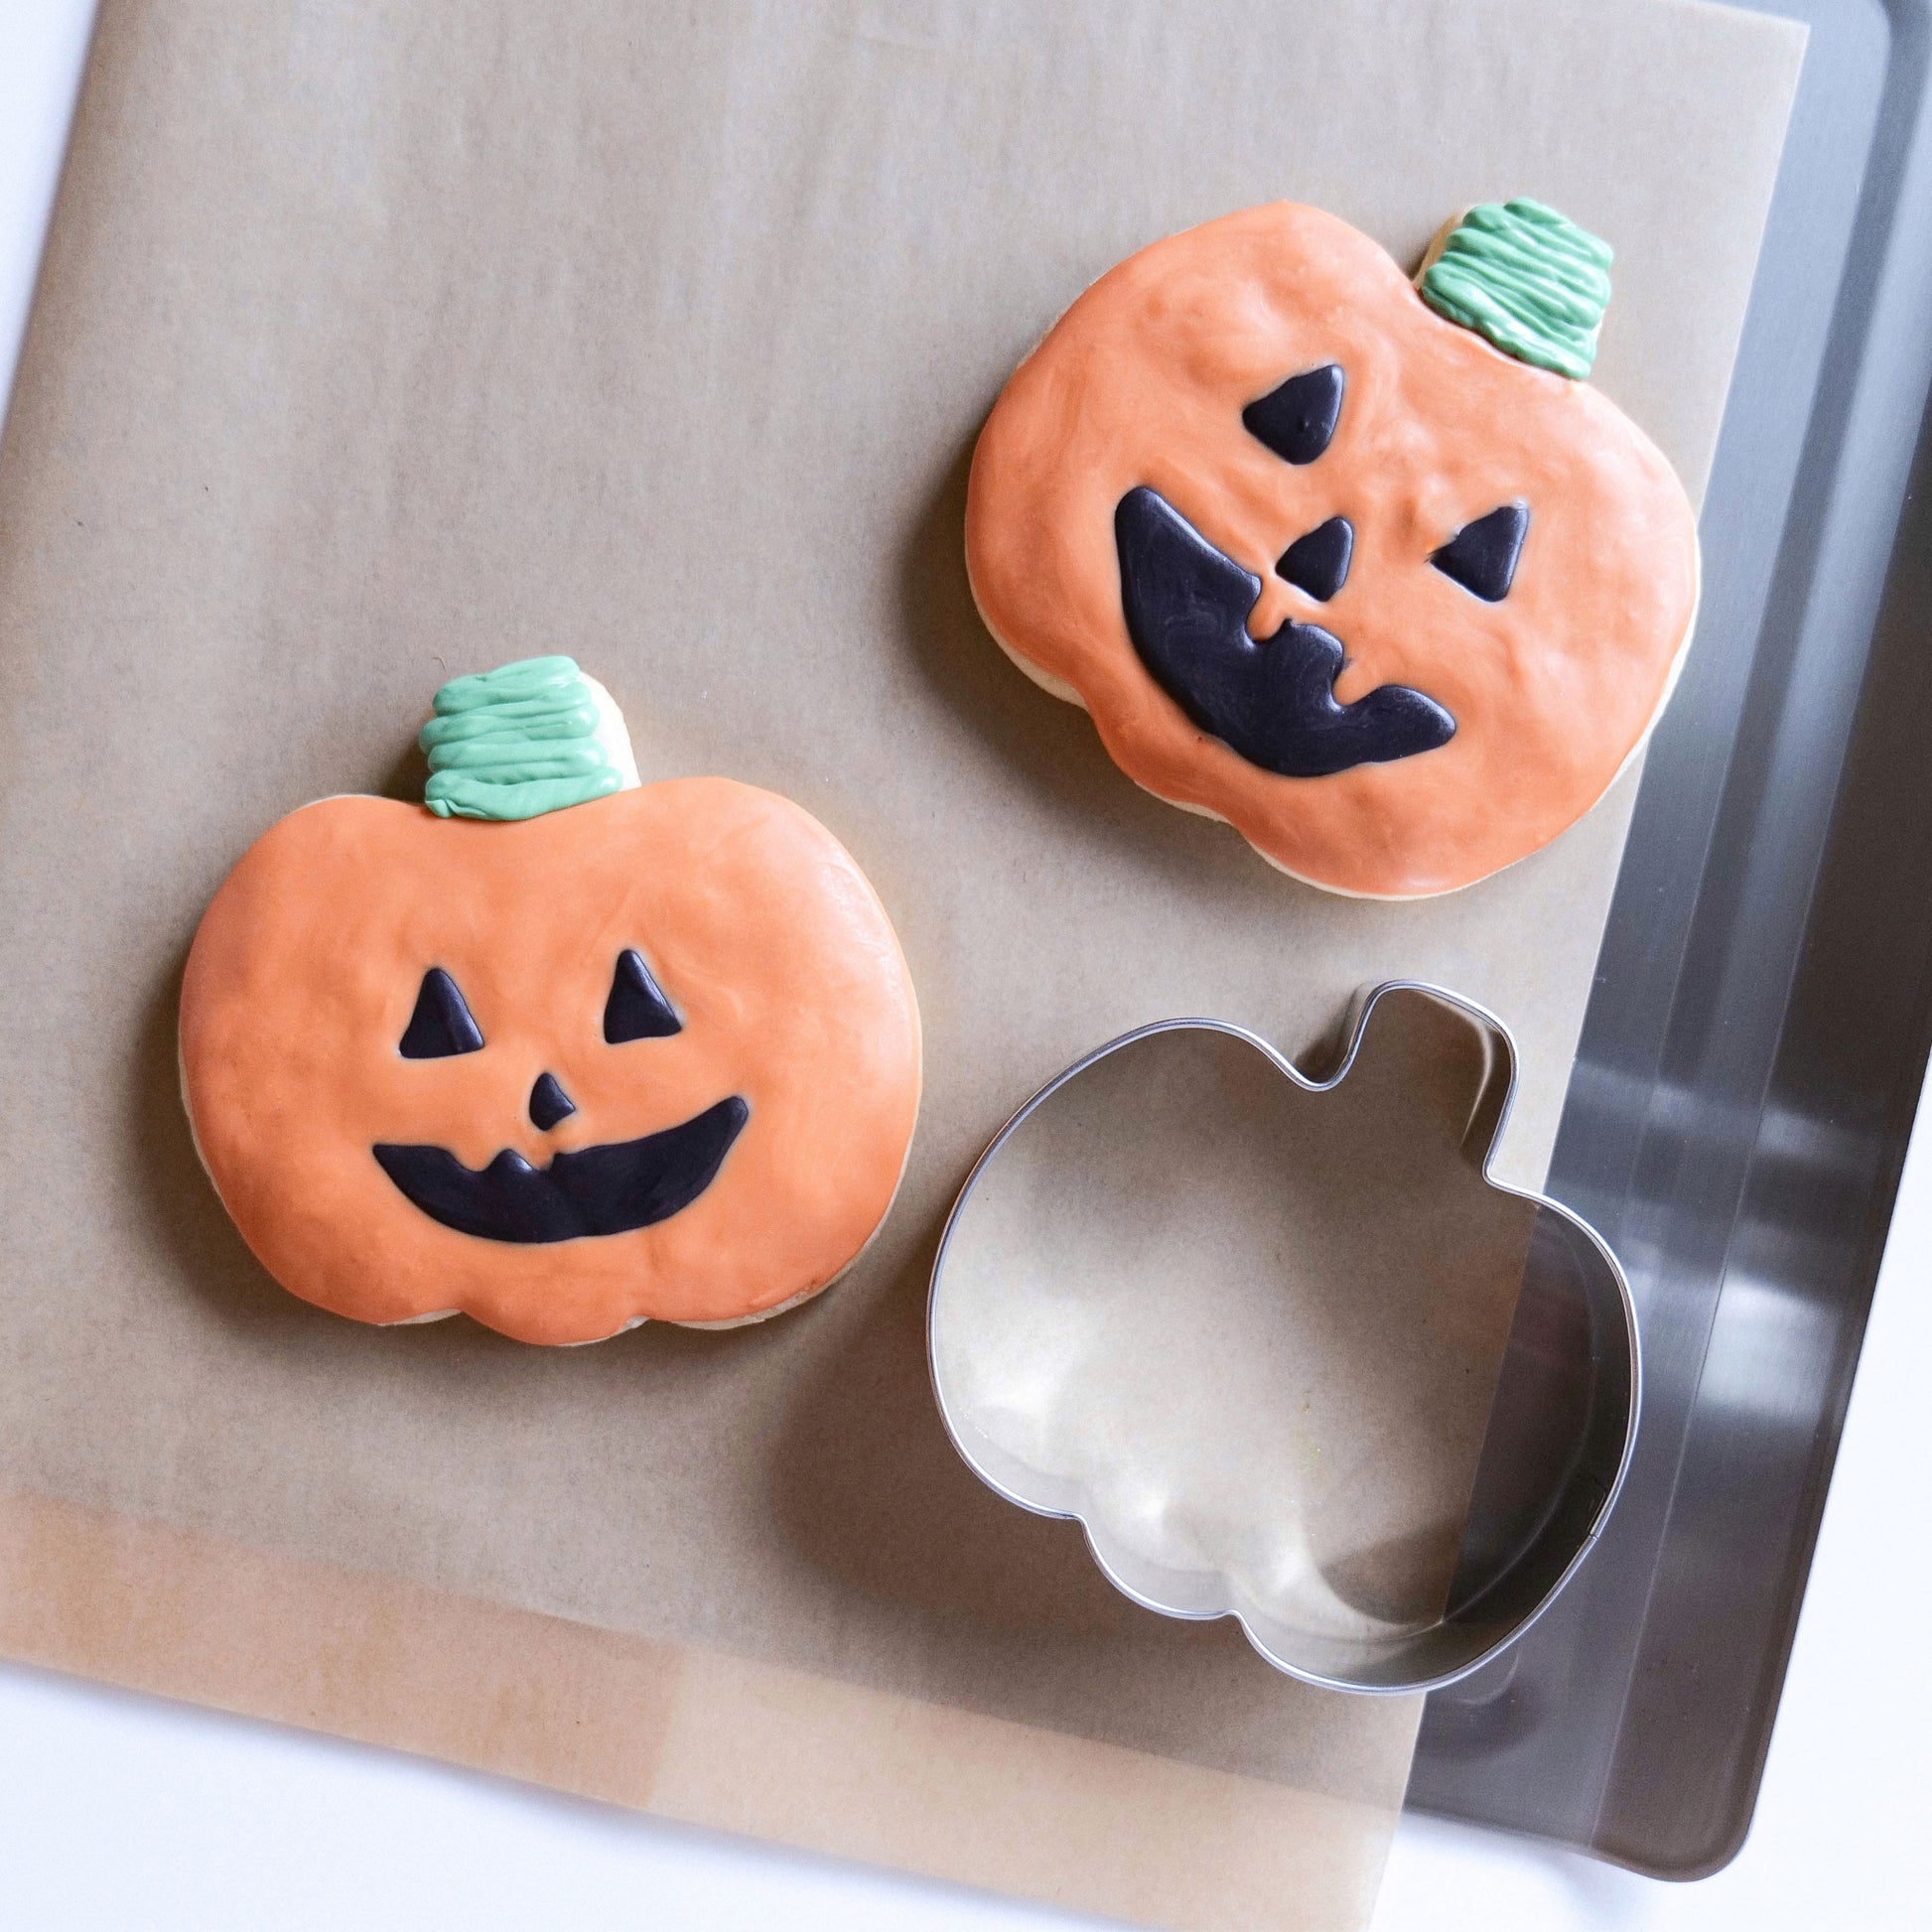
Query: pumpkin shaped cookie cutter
1187, 1189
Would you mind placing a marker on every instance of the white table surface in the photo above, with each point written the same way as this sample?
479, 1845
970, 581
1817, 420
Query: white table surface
127, 1813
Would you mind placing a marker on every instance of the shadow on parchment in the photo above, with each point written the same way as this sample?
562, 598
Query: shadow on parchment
406, 778
986, 1607
868, 1488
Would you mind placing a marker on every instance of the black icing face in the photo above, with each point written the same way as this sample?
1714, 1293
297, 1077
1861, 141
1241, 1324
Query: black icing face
1187, 605
605, 1189
1481, 556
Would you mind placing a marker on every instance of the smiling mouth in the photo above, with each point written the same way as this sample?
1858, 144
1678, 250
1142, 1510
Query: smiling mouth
1273, 699
608, 1190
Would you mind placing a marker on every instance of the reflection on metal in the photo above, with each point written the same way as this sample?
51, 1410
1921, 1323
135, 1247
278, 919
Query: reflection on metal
1753, 1057
1562, 1419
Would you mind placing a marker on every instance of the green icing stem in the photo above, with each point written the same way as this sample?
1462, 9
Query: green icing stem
453, 795
515, 742
1527, 279
528, 677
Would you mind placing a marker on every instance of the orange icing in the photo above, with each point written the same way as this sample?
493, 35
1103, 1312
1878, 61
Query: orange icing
1142, 383
756, 921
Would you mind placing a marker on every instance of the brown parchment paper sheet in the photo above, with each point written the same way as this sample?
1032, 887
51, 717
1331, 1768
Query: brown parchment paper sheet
378, 342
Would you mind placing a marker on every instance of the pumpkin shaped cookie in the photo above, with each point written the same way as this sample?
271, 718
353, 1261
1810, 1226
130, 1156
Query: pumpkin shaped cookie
1359, 564
555, 1050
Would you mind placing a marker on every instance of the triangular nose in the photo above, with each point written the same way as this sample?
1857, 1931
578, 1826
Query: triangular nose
1319, 562
549, 1103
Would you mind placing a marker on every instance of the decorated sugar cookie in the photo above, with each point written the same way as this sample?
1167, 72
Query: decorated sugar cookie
556, 1050
1364, 566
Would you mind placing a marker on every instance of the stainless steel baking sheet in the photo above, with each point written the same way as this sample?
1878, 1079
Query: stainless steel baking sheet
1755, 1046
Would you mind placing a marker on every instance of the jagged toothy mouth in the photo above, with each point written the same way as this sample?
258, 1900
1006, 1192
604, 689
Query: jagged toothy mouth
1272, 700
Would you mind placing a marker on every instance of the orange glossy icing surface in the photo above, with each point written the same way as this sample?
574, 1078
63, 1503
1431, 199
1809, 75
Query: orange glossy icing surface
757, 923
1142, 383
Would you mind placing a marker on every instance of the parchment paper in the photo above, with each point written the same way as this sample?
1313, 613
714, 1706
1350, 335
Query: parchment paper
379, 341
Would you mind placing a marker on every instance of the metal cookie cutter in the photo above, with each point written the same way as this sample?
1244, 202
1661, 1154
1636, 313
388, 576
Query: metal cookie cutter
1183, 1247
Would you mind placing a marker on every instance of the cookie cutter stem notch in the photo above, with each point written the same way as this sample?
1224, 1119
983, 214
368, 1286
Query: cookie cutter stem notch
1561, 1430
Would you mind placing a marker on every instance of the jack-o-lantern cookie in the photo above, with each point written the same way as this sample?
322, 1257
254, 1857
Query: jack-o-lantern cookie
1359, 564
555, 1050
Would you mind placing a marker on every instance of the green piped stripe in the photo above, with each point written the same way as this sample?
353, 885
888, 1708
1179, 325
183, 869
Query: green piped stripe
515, 742
1526, 278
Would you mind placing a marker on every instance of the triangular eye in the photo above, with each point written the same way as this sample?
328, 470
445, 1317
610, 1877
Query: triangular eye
1298, 420
441, 1023
637, 1008
1481, 556
1319, 562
